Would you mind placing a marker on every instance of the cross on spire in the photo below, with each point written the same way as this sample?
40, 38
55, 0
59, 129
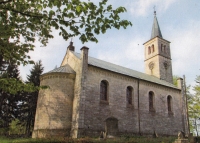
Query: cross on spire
154, 10
155, 28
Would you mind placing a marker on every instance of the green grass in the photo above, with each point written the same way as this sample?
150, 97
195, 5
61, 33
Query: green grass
127, 139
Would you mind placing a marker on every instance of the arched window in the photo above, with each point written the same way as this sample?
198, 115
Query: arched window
152, 48
129, 95
164, 49
104, 90
151, 101
169, 103
149, 50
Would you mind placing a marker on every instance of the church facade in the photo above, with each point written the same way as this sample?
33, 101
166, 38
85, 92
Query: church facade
88, 95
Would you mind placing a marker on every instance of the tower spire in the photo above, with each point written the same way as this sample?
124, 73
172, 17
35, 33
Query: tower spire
155, 28
157, 54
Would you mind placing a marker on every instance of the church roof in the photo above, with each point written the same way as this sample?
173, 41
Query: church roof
125, 71
63, 69
155, 28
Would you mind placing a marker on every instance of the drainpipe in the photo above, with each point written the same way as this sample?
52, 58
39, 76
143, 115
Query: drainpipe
138, 92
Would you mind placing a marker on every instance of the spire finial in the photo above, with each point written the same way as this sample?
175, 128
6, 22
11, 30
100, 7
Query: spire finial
71, 47
155, 28
154, 10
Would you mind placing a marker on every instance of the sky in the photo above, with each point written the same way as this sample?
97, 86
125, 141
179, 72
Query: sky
179, 21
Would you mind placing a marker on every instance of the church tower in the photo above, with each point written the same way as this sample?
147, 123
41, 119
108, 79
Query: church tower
157, 54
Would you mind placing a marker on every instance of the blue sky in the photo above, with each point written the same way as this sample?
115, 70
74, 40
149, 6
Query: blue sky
179, 21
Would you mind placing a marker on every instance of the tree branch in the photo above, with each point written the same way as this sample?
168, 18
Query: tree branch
25, 14
3, 2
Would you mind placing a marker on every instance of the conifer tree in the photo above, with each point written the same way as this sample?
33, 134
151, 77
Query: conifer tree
8, 101
29, 104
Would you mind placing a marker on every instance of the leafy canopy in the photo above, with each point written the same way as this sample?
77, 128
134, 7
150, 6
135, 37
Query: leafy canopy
25, 21
22, 22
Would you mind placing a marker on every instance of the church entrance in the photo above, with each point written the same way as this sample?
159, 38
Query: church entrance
111, 126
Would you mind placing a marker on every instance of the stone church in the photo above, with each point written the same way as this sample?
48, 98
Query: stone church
88, 95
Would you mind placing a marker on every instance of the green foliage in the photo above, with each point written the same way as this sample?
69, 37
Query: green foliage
36, 18
16, 128
28, 103
194, 107
17, 86
132, 139
8, 101
175, 78
23, 22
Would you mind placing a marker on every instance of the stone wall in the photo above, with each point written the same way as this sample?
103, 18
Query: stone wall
79, 65
72, 105
158, 63
97, 112
54, 106
162, 121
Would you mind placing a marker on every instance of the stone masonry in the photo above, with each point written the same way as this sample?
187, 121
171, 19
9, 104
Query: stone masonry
88, 96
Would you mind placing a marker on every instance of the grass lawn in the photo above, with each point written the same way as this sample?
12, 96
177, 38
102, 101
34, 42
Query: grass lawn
135, 139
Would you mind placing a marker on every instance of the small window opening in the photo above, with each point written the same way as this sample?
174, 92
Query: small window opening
149, 50
129, 95
151, 101
169, 103
103, 91
153, 48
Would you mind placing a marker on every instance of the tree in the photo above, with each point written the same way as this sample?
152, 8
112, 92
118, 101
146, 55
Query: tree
35, 19
23, 22
194, 107
29, 100
8, 101
175, 78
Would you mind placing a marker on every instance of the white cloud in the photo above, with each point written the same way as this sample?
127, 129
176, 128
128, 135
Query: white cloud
185, 50
51, 55
128, 53
143, 7
135, 50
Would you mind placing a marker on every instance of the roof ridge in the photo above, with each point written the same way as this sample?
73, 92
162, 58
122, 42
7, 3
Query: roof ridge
124, 70
63, 69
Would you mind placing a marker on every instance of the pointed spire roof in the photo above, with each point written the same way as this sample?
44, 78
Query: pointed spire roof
155, 28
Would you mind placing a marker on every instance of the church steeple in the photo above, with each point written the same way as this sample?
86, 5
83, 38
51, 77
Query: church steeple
157, 55
155, 28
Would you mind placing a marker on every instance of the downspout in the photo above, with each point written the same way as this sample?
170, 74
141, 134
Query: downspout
138, 92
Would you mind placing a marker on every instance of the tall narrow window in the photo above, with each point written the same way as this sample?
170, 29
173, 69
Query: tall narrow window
164, 49
103, 90
169, 103
161, 47
152, 48
149, 50
129, 95
151, 101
